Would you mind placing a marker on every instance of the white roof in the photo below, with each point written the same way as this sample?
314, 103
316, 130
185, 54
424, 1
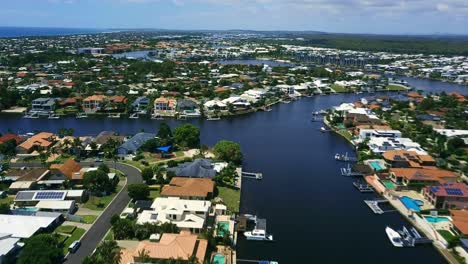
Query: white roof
75, 193
55, 205
7, 243
21, 185
23, 226
452, 132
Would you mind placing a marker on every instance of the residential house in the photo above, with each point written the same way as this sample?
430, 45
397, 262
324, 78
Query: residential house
449, 195
116, 103
41, 141
424, 175
368, 133
407, 159
163, 104
45, 105
133, 144
460, 221
189, 188
187, 215
69, 170
380, 145
237, 102
188, 107
213, 105
183, 247
94, 103
10, 136
199, 168
103, 137
141, 104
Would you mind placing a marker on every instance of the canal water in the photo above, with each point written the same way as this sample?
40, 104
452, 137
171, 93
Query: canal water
314, 213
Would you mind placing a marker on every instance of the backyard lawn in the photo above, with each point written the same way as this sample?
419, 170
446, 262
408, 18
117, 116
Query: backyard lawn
338, 88
66, 229
154, 193
393, 87
231, 198
7, 200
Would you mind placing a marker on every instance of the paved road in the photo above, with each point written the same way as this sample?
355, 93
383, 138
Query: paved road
99, 229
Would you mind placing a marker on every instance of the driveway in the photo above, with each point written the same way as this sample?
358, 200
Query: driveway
100, 227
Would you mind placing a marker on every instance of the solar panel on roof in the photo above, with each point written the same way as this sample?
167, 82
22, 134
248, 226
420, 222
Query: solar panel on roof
49, 195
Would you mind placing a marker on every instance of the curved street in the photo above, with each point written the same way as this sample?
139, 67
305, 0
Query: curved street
100, 227
98, 230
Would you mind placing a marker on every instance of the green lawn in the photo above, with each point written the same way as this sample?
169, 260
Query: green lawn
76, 235
231, 198
88, 219
346, 134
447, 235
109, 235
7, 200
393, 87
154, 193
339, 88
66, 229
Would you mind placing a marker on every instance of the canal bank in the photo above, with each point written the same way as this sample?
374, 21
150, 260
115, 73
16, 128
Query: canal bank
312, 211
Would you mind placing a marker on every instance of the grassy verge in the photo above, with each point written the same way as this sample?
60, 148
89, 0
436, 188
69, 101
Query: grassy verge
76, 235
393, 87
88, 219
231, 198
66, 229
109, 235
447, 235
346, 134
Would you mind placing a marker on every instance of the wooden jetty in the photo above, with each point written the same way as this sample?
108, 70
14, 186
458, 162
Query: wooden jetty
252, 175
363, 187
374, 205
347, 172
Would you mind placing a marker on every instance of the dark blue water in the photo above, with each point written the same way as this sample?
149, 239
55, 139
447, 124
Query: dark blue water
315, 214
10, 32
435, 86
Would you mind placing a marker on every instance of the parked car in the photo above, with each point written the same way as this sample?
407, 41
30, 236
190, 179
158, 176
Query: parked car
74, 246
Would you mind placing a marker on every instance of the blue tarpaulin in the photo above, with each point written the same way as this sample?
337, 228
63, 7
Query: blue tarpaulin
164, 149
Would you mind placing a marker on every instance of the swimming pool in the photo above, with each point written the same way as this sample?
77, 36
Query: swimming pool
436, 219
223, 228
410, 203
218, 259
389, 184
375, 165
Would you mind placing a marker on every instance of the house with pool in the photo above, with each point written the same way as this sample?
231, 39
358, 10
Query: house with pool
446, 196
422, 176
407, 159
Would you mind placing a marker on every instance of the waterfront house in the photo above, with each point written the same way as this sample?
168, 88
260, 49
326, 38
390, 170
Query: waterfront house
215, 104
407, 159
387, 133
199, 168
460, 221
94, 103
379, 145
165, 106
450, 195
188, 108
69, 170
116, 103
40, 141
189, 188
182, 246
187, 215
133, 144
103, 137
424, 175
44, 105
141, 104
10, 136
237, 102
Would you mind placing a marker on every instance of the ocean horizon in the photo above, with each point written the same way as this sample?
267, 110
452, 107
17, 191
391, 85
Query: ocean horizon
11, 32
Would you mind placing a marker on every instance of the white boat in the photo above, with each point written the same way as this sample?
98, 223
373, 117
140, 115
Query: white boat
81, 115
258, 234
213, 118
114, 115
134, 116
53, 116
394, 237
32, 115
323, 129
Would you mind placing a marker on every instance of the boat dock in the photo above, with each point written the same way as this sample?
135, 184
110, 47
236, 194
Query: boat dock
363, 187
348, 172
252, 175
374, 206
257, 261
345, 157
412, 237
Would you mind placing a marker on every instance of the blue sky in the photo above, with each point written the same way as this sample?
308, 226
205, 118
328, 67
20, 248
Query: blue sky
349, 16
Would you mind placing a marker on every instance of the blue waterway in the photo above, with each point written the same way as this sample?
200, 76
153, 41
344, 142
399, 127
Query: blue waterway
10, 32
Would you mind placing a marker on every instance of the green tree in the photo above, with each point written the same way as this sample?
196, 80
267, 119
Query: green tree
103, 167
147, 175
41, 249
164, 131
123, 229
139, 191
97, 182
228, 151
108, 252
187, 136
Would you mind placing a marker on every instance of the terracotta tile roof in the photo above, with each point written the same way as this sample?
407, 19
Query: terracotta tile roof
174, 246
414, 159
95, 98
68, 168
170, 101
118, 99
7, 137
423, 174
188, 187
42, 140
460, 220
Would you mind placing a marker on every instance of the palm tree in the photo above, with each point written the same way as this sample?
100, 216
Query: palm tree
77, 145
143, 256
